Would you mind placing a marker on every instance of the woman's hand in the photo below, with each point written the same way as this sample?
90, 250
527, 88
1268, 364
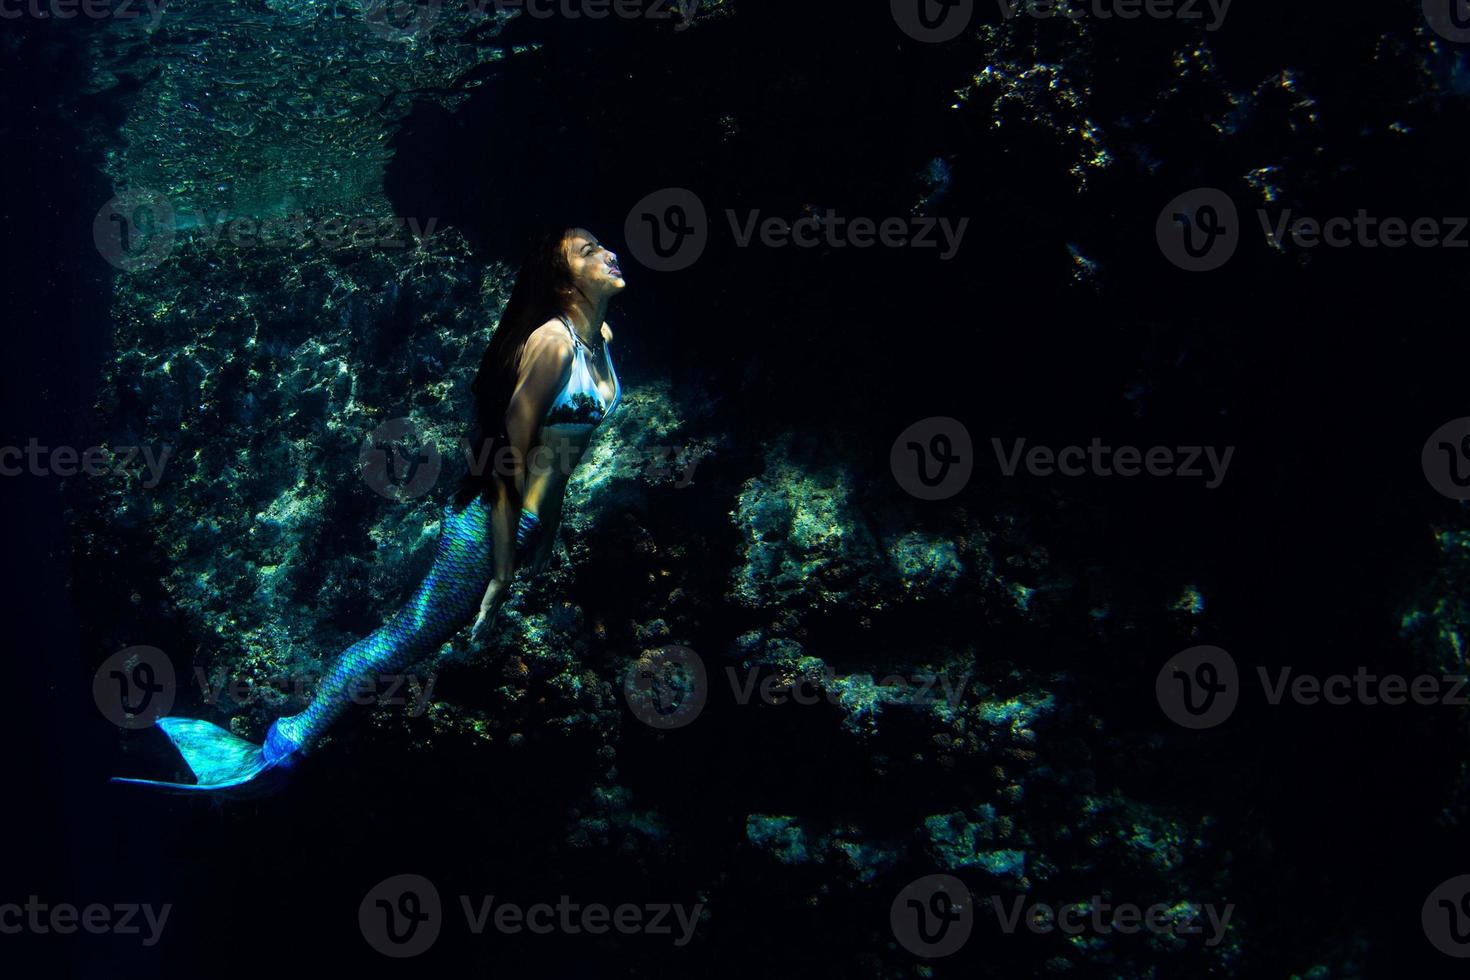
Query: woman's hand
541, 549
489, 605
502, 545
536, 540
541, 556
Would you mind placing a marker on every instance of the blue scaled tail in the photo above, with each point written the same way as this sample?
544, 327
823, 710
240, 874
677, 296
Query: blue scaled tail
219, 759
445, 601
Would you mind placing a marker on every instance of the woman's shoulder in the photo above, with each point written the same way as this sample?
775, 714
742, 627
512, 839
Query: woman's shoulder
606, 330
547, 344
551, 334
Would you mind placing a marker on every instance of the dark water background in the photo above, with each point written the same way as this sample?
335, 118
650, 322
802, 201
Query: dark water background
1328, 378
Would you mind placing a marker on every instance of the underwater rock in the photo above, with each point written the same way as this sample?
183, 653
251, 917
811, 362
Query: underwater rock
955, 841
847, 849
247, 113
804, 542
1436, 625
813, 543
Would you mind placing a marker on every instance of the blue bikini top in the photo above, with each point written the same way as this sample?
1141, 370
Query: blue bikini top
580, 403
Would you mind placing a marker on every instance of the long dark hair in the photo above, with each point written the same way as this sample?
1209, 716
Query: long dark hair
542, 290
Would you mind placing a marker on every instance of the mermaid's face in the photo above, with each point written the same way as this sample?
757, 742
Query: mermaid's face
594, 267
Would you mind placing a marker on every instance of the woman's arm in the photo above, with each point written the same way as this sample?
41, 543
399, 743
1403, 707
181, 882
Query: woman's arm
502, 540
545, 366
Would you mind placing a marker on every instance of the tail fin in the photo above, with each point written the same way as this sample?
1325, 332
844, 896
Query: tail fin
218, 759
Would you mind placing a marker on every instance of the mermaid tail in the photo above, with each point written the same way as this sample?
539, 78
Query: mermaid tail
446, 600
218, 759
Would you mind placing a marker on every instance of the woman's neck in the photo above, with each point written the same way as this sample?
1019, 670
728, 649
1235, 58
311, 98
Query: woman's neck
587, 319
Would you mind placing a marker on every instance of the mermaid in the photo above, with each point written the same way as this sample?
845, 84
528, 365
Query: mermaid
544, 384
